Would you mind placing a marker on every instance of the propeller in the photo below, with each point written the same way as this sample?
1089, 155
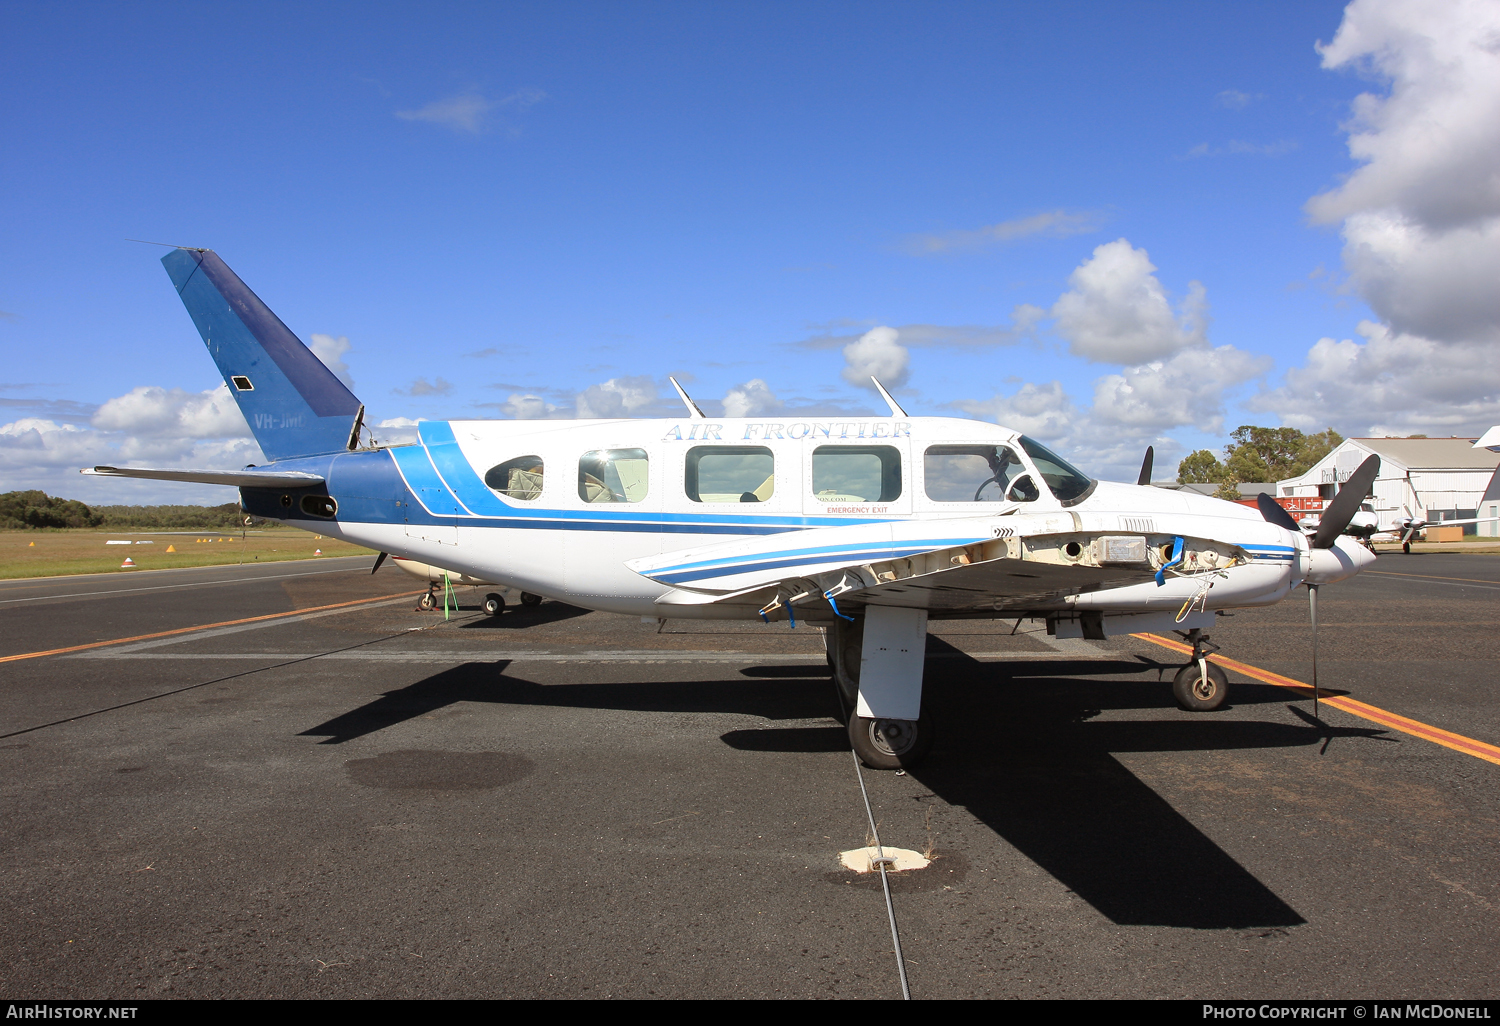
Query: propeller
1274, 512
1336, 517
1145, 477
378, 560
1345, 504
1312, 610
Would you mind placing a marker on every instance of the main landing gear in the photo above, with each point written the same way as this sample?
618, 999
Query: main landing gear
887, 648
1200, 686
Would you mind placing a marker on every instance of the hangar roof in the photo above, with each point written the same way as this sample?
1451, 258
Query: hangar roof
1436, 453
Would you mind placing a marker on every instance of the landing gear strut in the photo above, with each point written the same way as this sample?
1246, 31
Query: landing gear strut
880, 742
1200, 686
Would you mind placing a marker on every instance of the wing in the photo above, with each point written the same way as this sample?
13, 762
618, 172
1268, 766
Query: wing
973, 564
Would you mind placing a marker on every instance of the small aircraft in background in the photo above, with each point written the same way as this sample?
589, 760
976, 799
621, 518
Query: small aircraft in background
866, 526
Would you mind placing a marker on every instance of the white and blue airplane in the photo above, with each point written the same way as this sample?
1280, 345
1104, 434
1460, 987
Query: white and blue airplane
866, 527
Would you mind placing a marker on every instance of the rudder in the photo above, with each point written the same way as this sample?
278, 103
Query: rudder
294, 404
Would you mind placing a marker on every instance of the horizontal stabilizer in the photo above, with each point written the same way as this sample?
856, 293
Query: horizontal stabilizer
234, 478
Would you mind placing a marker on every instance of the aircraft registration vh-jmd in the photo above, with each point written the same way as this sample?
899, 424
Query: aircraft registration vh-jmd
866, 528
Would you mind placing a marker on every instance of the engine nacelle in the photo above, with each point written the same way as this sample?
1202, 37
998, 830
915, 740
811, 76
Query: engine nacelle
1346, 558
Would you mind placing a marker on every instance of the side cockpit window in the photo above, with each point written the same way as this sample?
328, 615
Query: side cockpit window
520, 478
729, 473
976, 473
613, 475
856, 473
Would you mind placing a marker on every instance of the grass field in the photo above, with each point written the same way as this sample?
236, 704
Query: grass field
54, 553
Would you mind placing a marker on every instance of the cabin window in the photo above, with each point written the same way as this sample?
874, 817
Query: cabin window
520, 478
730, 473
612, 475
856, 473
974, 473
1067, 483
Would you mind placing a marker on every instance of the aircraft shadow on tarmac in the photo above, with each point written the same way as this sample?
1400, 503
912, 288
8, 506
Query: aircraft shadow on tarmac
1019, 749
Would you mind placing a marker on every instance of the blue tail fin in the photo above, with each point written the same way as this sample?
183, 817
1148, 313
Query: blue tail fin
295, 405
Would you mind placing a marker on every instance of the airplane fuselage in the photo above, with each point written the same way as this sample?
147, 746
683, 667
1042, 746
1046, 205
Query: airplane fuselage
888, 486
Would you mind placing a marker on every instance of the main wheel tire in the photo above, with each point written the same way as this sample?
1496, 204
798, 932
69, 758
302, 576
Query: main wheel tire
427, 601
844, 645
528, 599
1194, 693
890, 744
494, 604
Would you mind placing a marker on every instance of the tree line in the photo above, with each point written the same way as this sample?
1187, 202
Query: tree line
21, 511
1257, 454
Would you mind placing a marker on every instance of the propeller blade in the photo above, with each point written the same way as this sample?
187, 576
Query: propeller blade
1345, 504
1275, 513
1145, 477
1312, 609
378, 560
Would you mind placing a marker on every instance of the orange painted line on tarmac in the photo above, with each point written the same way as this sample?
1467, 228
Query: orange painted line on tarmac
1365, 711
201, 627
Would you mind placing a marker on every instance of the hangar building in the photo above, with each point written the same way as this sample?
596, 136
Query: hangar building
1435, 478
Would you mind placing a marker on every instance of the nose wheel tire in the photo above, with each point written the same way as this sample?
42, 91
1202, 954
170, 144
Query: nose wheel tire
494, 604
427, 601
1197, 693
890, 744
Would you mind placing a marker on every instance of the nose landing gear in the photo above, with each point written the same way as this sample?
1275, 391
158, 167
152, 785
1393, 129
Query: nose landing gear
1200, 686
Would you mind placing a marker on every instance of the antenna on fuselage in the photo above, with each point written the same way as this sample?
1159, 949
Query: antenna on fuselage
687, 400
896, 410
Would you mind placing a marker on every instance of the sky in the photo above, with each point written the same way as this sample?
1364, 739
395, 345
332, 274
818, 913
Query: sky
1107, 225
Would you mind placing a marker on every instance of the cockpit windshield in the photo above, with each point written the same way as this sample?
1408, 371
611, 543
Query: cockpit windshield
1067, 483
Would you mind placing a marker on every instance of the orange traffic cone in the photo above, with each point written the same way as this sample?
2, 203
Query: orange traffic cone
171, 548
317, 552
31, 545
129, 564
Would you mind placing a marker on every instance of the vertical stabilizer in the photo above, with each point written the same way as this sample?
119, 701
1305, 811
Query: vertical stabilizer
295, 405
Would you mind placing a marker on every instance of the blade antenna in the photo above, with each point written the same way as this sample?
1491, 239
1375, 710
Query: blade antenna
378, 560
896, 410
1145, 477
687, 401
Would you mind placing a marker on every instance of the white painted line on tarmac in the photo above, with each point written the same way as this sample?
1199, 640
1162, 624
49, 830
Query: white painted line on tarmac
455, 657
174, 587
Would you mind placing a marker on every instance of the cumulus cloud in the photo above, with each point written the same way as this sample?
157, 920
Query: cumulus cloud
617, 397
396, 430
1117, 312
150, 411
527, 407
1391, 383
469, 111
1421, 214
751, 399
1045, 412
1421, 225
149, 425
1058, 224
876, 353
1185, 389
331, 351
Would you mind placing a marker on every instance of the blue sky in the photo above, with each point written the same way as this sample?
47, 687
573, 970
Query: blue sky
1090, 221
